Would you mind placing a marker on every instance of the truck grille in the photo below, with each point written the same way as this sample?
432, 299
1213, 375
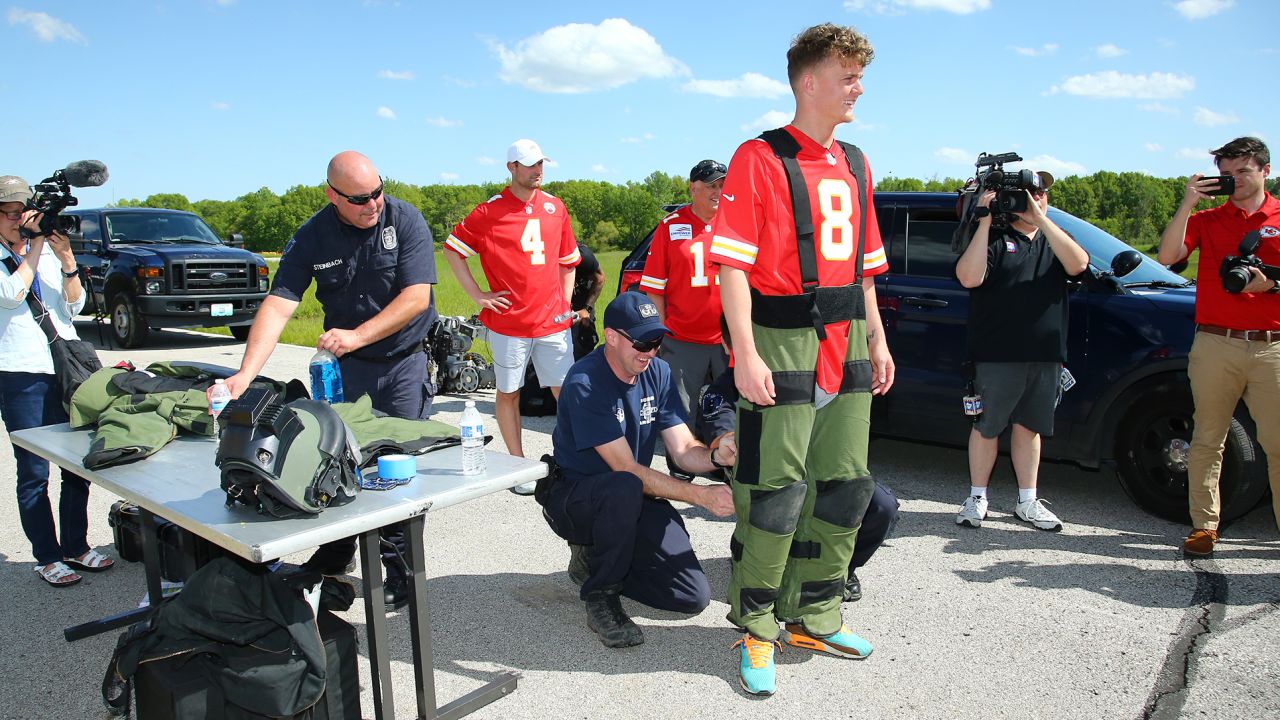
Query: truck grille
206, 277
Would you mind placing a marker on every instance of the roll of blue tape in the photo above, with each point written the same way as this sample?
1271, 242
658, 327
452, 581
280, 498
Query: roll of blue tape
399, 468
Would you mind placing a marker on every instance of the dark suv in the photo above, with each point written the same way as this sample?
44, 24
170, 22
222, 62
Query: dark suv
165, 268
1132, 322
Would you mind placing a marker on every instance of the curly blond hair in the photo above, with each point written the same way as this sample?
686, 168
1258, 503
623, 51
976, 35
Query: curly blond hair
820, 42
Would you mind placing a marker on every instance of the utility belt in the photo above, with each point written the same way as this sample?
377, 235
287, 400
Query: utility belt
814, 308
393, 357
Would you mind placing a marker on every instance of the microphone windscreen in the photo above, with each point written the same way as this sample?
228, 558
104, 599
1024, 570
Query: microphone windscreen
86, 173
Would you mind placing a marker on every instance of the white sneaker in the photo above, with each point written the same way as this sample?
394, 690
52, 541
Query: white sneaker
973, 511
1035, 512
525, 488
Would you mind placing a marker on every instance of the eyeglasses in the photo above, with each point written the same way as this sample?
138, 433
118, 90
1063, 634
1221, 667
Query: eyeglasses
643, 346
12, 214
706, 169
360, 199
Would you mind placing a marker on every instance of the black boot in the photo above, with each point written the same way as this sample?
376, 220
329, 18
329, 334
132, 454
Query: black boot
607, 619
578, 570
852, 588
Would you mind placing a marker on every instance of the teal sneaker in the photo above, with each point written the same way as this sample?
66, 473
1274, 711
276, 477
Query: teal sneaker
755, 670
842, 644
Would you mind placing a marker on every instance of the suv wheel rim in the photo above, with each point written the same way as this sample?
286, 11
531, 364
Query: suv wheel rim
121, 320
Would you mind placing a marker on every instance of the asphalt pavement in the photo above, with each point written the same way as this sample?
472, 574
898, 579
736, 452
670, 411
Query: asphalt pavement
1105, 619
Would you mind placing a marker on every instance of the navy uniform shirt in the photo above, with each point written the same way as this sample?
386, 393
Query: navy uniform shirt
358, 272
597, 408
717, 408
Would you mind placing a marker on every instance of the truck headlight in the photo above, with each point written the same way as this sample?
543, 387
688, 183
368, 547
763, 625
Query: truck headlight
153, 287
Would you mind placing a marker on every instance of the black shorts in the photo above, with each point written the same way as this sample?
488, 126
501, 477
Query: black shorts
1025, 393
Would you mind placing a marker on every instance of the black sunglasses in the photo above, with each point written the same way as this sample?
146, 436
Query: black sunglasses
360, 199
706, 169
643, 346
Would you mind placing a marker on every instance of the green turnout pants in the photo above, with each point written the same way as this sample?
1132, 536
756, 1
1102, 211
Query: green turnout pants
800, 489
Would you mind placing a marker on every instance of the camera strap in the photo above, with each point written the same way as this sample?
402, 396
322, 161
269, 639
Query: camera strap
786, 147
35, 302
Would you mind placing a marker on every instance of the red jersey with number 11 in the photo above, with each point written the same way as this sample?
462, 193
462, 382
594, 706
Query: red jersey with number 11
522, 247
679, 269
755, 229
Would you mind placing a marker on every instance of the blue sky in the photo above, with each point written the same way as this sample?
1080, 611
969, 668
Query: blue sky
217, 98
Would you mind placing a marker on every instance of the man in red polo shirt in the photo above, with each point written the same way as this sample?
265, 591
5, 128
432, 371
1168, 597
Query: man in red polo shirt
1236, 352
808, 358
684, 285
525, 243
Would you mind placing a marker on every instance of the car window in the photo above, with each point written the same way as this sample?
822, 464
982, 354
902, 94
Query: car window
1102, 247
89, 228
158, 228
926, 244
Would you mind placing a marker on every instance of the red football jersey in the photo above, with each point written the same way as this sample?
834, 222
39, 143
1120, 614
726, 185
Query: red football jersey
1217, 232
521, 247
680, 269
755, 230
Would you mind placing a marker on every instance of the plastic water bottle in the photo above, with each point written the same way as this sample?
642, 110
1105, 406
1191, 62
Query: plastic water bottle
219, 396
472, 440
326, 378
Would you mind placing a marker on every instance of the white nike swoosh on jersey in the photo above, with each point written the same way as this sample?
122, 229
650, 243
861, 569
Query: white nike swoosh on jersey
727, 197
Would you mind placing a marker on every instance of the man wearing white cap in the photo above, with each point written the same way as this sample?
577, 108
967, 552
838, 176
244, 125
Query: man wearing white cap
524, 239
1016, 268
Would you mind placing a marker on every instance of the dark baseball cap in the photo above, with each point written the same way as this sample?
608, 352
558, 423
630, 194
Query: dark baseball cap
707, 171
634, 314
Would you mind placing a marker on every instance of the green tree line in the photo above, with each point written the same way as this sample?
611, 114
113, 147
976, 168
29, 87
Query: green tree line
1132, 206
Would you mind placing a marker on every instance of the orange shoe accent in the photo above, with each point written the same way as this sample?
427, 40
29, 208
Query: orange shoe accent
759, 652
1200, 542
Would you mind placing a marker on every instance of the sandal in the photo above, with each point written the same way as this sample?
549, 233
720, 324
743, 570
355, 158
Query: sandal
57, 574
93, 561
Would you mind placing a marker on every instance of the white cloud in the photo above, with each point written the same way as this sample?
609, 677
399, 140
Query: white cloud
443, 122
449, 177
1193, 154
1046, 49
1208, 118
898, 7
1109, 51
600, 169
395, 74
954, 155
1111, 84
636, 140
750, 85
459, 81
220, 106
771, 119
386, 113
1200, 9
46, 27
1058, 168
579, 58
1153, 147
1158, 107
486, 160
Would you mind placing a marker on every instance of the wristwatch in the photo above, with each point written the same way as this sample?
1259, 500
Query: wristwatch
71, 274
1275, 287
712, 455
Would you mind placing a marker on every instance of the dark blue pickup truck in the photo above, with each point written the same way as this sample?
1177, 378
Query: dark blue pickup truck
1132, 322
155, 268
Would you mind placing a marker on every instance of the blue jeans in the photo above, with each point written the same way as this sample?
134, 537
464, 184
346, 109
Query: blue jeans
30, 400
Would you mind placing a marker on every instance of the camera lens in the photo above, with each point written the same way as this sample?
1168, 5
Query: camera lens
1234, 279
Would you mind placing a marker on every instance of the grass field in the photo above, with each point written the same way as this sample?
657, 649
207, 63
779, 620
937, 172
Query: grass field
308, 321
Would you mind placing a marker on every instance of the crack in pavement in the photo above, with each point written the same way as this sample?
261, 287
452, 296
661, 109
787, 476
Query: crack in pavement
1202, 618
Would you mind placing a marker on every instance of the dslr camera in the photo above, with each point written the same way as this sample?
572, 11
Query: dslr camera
53, 195
1009, 186
1234, 269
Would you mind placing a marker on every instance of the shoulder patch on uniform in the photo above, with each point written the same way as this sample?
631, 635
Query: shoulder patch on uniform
389, 237
681, 231
711, 403
1268, 231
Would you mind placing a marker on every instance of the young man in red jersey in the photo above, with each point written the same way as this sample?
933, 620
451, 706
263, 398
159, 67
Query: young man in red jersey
1236, 353
684, 285
525, 243
797, 243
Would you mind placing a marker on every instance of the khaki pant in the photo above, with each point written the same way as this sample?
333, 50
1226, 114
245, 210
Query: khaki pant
1223, 370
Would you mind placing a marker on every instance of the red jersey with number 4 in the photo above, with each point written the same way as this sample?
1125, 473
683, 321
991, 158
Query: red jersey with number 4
680, 269
1217, 232
755, 229
522, 246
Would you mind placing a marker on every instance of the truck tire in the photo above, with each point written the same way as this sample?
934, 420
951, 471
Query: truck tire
128, 327
240, 332
1150, 449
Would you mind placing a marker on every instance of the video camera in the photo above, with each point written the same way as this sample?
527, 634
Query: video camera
1234, 270
451, 365
1011, 195
53, 195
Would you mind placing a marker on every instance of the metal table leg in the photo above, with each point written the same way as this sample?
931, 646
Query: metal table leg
151, 563
375, 614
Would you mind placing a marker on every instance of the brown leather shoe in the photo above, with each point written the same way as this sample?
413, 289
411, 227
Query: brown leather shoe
1200, 542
